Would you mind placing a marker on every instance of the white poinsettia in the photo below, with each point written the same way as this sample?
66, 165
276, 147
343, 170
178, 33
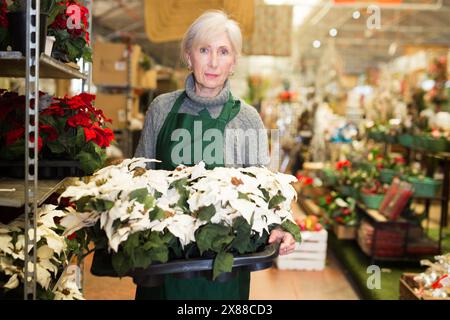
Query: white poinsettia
46, 270
75, 221
225, 194
13, 282
50, 252
182, 226
67, 289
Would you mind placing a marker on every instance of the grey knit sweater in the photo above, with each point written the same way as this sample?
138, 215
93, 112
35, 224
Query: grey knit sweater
245, 152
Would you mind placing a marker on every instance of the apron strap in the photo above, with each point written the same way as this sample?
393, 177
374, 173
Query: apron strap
229, 110
177, 105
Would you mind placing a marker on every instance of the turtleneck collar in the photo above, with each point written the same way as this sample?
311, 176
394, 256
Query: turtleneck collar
220, 99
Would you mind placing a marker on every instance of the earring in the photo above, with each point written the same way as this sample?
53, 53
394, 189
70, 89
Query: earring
231, 73
189, 67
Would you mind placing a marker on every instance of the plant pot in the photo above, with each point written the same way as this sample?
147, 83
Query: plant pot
49, 42
427, 188
372, 201
18, 38
435, 145
387, 175
406, 140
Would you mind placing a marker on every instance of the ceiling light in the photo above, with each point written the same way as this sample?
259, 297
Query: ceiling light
316, 44
333, 32
356, 14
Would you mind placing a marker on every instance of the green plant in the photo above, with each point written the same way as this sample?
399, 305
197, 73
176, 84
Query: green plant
72, 42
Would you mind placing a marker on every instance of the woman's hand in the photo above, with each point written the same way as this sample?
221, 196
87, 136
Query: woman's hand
287, 241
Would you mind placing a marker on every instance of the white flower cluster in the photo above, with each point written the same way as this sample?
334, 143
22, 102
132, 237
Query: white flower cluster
67, 288
50, 252
233, 193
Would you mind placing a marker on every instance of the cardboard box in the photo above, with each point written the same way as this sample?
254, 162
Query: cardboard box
114, 106
147, 79
110, 65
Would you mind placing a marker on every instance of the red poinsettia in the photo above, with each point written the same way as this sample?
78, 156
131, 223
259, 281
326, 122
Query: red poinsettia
71, 127
305, 180
343, 164
14, 135
101, 137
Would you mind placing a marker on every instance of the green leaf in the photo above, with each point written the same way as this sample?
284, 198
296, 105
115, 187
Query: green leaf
156, 214
154, 241
276, 200
139, 195
88, 162
121, 263
56, 147
293, 229
206, 213
84, 204
131, 243
206, 235
243, 231
179, 185
265, 194
149, 202
243, 196
222, 263
160, 254
220, 243
141, 258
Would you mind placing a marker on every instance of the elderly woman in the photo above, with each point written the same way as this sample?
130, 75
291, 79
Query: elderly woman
176, 127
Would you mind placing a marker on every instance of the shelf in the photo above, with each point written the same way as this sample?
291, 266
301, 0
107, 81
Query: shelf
12, 64
16, 197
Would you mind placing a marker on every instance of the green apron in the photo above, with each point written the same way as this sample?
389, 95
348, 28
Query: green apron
198, 288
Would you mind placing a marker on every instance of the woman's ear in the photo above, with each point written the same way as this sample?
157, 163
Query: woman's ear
187, 57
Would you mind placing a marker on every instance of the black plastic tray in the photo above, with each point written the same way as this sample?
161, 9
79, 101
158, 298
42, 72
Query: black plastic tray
186, 268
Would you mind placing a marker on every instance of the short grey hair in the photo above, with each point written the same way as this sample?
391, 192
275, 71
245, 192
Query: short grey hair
207, 27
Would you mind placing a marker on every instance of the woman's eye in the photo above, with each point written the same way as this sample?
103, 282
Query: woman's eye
203, 50
224, 52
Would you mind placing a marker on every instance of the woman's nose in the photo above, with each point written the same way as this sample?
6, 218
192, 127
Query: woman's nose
213, 59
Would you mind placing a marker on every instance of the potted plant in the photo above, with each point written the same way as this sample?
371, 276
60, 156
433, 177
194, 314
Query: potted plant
72, 41
342, 213
69, 129
17, 23
390, 167
372, 194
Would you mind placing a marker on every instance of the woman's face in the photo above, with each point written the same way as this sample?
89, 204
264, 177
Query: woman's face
212, 63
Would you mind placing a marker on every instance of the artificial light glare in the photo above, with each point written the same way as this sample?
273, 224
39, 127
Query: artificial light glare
316, 44
333, 32
356, 14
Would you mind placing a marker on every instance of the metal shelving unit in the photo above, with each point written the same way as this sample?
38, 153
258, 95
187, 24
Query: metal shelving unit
32, 67
12, 64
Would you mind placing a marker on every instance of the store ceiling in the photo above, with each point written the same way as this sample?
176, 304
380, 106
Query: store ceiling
414, 22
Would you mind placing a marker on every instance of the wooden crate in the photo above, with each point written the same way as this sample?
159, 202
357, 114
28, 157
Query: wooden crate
345, 232
309, 255
407, 286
